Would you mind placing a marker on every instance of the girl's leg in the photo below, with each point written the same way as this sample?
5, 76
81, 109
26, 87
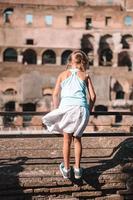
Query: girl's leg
78, 151
66, 149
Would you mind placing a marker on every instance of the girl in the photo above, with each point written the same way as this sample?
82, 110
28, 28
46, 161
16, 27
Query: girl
73, 91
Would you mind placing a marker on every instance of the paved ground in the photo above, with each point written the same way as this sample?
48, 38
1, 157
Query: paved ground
29, 168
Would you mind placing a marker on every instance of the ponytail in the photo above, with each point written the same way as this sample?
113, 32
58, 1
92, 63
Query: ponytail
80, 58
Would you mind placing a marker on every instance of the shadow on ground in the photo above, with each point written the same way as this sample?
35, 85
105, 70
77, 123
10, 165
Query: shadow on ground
121, 155
10, 186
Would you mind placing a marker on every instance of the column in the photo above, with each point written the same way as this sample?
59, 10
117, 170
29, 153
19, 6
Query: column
58, 57
58, 60
18, 108
96, 46
39, 56
1, 58
131, 53
117, 48
20, 56
39, 59
1, 55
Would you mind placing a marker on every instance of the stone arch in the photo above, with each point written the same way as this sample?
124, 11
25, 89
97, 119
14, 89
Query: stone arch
119, 90
49, 57
10, 91
10, 9
7, 13
64, 56
105, 51
10, 55
29, 56
87, 45
125, 41
124, 59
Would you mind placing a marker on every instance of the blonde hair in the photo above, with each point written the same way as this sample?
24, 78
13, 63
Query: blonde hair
80, 58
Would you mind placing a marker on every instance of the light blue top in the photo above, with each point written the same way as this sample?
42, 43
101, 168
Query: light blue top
73, 90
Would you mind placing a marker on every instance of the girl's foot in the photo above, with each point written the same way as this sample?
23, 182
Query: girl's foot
78, 173
65, 172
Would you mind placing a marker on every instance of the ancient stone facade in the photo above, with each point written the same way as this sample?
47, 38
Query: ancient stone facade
36, 37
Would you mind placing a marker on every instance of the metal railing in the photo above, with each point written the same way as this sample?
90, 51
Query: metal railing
31, 122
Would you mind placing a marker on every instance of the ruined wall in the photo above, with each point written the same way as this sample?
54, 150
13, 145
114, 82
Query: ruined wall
33, 53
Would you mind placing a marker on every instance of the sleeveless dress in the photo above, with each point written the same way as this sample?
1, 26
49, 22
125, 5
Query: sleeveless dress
72, 115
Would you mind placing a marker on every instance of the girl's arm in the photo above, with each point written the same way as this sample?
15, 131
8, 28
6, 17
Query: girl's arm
92, 94
56, 93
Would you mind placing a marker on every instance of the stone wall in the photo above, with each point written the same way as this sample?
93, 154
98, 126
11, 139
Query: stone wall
34, 84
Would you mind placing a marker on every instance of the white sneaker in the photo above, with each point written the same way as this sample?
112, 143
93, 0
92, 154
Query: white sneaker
78, 173
65, 173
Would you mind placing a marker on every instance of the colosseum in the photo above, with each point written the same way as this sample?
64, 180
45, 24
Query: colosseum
36, 38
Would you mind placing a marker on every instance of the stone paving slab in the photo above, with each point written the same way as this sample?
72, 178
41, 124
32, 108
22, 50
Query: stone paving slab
29, 169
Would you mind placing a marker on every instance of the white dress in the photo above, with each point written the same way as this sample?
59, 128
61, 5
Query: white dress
72, 115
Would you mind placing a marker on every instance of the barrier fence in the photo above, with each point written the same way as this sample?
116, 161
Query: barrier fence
100, 122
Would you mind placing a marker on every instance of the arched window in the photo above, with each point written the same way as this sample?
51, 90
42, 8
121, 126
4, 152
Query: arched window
125, 41
65, 56
10, 55
124, 60
87, 41
29, 57
119, 90
7, 13
10, 91
49, 57
105, 50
